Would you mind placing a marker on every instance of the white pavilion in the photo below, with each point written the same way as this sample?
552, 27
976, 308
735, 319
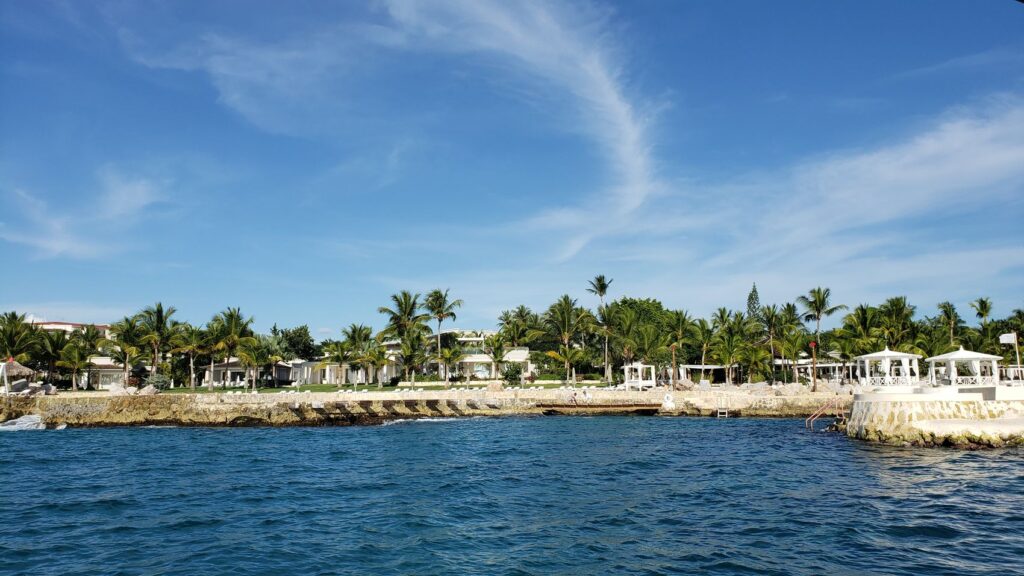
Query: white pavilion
888, 368
981, 369
639, 376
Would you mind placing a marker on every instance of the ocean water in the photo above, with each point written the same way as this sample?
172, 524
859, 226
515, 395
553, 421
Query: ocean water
553, 495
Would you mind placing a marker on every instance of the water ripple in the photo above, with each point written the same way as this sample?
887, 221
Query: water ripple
517, 496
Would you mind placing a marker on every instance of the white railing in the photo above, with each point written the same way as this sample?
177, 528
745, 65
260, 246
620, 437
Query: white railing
975, 381
888, 381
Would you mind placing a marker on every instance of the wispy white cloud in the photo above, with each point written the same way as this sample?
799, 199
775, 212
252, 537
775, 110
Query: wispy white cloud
978, 60
568, 49
85, 231
67, 311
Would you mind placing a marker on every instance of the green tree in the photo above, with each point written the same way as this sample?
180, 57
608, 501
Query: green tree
599, 287
494, 347
440, 308
191, 341
232, 330
680, 327
702, 336
50, 345
753, 302
341, 353
565, 321
17, 337
156, 325
75, 359
817, 305
404, 317
950, 319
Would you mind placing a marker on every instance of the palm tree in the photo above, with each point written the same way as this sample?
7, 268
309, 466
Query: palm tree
565, 321
771, 320
17, 337
791, 345
49, 346
191, 341
727, 348
358, 337
702, 334
982, 309
756, 359
863, 326
679, 327
897, 321
440, 309
75, 359
126, 356
157, 325
599, 286
126, 340
570, 356
375, 355
817, 305
450, 357
254, 355
232, 329
404, 317
412, 353
342, 353
950, 319
494, 346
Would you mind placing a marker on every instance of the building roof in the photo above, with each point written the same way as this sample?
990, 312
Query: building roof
888, 355
962, 355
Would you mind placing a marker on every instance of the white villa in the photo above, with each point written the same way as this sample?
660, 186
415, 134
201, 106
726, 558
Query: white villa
638, 375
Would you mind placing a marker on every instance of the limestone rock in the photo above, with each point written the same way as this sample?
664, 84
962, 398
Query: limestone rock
149, 391
19, 386
30, 422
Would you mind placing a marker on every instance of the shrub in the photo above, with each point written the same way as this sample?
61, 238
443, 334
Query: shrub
158, 381
511, 374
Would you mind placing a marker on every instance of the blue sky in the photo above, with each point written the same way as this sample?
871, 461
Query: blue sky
304, 160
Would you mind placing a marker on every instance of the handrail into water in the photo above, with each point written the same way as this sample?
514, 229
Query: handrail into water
833, 403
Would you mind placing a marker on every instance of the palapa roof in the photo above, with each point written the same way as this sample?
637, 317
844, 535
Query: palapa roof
15, 370
962, 355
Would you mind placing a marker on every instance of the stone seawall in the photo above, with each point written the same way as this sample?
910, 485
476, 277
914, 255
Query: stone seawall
970, 421
345, 409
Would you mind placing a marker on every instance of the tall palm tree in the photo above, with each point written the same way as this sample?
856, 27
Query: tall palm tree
404, 317
599, 287
679, 327
565, 321
568, 355
191, 341
791, 345
375, 356
771, 321
126, 343
157, 325
817, 305
702, 335
440, 309
90, 340
494, 346
358, 337
75, 359
950, 319
412, 353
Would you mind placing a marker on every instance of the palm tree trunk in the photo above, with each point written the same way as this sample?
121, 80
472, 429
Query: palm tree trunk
675, 367
192, 371
156, 366
74, 380
703, 355
209, 385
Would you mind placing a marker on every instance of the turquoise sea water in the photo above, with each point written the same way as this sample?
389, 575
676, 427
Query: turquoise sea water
504, 496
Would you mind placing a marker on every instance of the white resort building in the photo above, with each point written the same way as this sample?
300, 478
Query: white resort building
964, 368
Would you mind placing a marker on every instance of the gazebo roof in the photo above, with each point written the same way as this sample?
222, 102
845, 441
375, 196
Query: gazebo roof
962, 355
888, 354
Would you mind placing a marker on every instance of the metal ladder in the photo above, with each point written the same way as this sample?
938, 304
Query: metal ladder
723, 406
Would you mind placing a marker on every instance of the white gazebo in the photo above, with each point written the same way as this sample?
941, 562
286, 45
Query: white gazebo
888, 368
635, 376
982, 369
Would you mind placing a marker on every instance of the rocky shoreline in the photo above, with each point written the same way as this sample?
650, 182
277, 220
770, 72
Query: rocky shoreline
350, 409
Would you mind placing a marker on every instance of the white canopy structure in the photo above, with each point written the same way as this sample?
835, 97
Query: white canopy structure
982, 369
634, 376
888, 368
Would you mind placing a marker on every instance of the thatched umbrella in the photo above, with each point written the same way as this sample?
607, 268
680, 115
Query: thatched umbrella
13, 369
16, 370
